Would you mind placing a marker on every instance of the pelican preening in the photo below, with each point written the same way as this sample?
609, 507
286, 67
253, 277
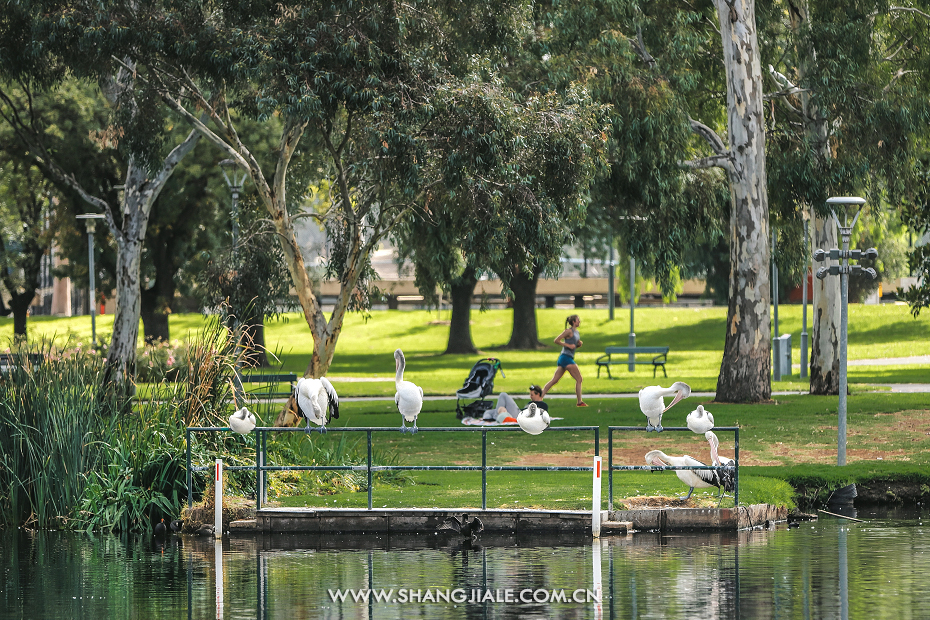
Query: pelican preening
408, 397
243, 421
694, 478
533, 419
700, 420
726, 476
314, 397
652, 402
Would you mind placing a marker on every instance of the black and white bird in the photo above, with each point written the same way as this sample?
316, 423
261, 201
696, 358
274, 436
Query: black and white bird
700, 420
314, 398
468, 528
652, 402
243, 421
726, 476
408, 397
694, 478
533, 419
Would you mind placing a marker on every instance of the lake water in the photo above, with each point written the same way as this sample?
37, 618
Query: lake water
830, 568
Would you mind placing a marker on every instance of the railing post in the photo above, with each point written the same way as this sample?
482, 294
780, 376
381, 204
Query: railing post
258, 470
484, 469
610, 468
597, 441
736, 475
369, 469
596, 498
190, 482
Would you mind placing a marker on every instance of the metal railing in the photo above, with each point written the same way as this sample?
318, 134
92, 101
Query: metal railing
261, 436
611, 467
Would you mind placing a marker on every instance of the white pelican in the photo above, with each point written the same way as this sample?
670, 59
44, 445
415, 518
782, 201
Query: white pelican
243, 421
533, 419
408, 397
652, 402
313, 398
726, 476
700, 421
694, 478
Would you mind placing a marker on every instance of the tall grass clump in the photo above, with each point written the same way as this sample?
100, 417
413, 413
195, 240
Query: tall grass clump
52, 416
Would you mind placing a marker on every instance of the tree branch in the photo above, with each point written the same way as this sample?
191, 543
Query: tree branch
715, 142
715, 161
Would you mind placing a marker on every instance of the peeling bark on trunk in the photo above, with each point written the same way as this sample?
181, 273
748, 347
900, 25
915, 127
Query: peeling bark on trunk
825, 351
463, 289
524, 334
746, 365
825, 340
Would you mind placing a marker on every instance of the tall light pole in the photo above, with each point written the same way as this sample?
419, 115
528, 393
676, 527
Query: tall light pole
804, 306
632, 340
610, 283
843, 269
90, 222
231, 168
235, 178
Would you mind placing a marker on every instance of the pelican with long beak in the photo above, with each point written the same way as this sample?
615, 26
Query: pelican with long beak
700, 420
408, 397
314, 398
652, 402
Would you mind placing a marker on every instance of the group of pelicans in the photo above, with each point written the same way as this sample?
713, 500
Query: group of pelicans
318, 402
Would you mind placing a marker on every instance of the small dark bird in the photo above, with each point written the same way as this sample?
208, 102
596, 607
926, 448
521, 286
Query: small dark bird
468, 528
205, 530
176, 525
160, 528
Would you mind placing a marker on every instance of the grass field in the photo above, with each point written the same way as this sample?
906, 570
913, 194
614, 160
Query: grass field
889, 434
694, 335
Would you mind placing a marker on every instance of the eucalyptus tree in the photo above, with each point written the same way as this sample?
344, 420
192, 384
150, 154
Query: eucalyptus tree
28, 221
41, 44
363, 80
849, 116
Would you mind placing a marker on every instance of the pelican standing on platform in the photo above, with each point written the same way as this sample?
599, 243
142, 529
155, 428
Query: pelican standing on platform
533, 419
727, 476
314, 397
694, 478
652, 402
243, 421
408, 397
700, 420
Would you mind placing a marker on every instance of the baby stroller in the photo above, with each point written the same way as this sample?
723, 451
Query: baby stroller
480, 383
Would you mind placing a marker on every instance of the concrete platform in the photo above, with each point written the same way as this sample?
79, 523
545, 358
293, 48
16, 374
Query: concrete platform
556, 522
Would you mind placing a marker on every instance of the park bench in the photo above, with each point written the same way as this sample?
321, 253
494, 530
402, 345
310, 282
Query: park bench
269, 381
11, 360
621, 355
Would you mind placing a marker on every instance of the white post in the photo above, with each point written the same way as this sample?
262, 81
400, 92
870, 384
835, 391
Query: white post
218, 500
218, 555
596, 498
598, 584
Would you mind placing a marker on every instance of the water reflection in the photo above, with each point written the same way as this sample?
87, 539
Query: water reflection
833, 569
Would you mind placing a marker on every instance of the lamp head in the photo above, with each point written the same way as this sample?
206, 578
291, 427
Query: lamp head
871, 253
820, 255
822, 273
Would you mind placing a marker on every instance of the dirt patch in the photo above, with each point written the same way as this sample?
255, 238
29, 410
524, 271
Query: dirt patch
662, 501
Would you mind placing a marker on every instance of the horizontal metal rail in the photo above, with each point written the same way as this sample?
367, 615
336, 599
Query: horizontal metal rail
261, 433
611, 468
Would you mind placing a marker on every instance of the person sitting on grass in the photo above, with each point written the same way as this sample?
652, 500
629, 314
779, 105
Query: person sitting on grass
507, 407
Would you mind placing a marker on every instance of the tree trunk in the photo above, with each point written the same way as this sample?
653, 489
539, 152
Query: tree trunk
744, 370
460, 324
524, 334
256, 357
121, 355
156, 301
825, 350
825, 341
19, 302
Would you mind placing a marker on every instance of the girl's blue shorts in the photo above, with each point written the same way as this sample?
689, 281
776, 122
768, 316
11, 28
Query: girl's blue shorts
565, 360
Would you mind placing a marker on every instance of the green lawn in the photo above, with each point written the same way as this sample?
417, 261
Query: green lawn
792, 438
695, 335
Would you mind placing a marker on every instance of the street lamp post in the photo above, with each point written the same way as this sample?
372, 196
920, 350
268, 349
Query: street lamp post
235, 178
90, 222
231, 168
804, 307
632, 339
843, 269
